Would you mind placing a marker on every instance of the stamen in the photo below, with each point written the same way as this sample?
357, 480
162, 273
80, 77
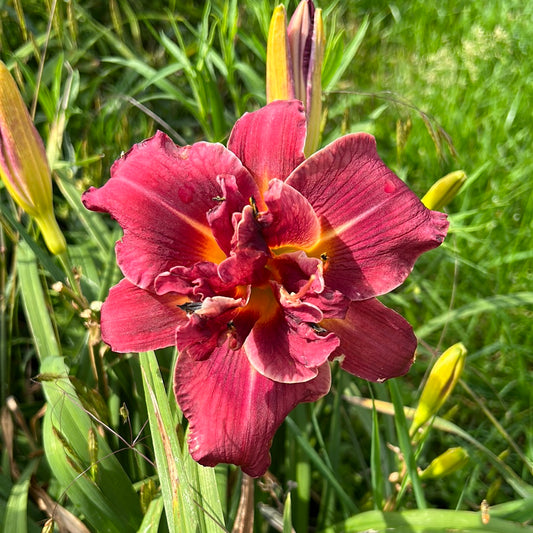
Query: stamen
253, 203
190, 307
316, 328
219, 198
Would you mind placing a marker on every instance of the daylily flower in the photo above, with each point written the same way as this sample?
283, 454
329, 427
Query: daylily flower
294, 63
261, 266
23, 165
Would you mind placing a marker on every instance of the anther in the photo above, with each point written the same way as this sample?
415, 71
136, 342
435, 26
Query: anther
253, 203
190, 307
316, 328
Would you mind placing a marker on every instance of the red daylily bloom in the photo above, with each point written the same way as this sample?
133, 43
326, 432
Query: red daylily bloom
261, 267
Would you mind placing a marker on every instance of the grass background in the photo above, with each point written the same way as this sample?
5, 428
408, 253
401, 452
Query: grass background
457, 76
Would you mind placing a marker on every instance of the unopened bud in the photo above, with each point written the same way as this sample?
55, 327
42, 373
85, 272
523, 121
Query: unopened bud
295, 54
441, 381
446, 463
279, 77
23, 165
443, 191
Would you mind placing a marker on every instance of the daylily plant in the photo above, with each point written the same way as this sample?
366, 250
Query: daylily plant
261, 266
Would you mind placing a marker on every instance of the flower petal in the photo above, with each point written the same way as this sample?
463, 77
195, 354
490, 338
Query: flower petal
376, 343
160, 194
209, 327
198, 282
234, 411
284, 347
270, 141
373, 225
290, 220
249, 252
136, 320
220, 218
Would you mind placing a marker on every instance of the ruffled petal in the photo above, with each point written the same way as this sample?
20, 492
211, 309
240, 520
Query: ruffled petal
285, 344
220, 218
290, 220
249, 252
198, 282
234, 411
160, 194
373, 225
136, 320
270, 141
209, 326
376, 343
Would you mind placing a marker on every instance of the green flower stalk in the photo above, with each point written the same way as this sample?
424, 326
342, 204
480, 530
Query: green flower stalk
451, 460
295, 54
441, 381
23, 165
443, 191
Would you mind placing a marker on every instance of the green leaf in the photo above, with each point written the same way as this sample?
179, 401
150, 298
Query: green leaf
109, 502
375, 462
477, 307
402, 429
335, 65
35, 308
152, 517
346, 501
287, 515
425, 521
189, 491
15, 519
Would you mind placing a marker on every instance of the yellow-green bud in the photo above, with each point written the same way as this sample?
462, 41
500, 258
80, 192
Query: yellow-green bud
23, 165
443, 191
446, 463
441, 381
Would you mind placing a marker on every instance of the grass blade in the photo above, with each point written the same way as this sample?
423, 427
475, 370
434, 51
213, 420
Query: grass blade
425, 521
190, 493
346, 501
15, 518
402, 430
108, 502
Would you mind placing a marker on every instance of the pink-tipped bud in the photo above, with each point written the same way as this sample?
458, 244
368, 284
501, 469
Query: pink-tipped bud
294, 63
23, 165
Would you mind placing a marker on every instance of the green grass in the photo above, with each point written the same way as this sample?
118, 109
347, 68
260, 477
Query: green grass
460, 74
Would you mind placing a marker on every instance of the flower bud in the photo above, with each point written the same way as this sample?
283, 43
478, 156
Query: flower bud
279, 78
23, 165
441, 381
443, 191
294, 63
446, 463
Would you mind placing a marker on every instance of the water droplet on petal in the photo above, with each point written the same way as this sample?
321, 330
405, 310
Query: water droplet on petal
389, 187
